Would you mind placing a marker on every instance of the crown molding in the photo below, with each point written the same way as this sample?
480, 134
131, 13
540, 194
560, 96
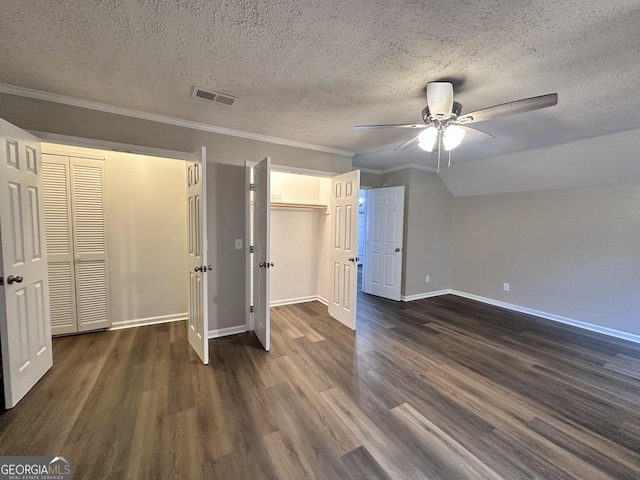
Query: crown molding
367, 170
153, 117
415, 166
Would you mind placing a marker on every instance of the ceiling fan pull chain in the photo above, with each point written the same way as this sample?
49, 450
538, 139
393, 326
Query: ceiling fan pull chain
439, 138
449, 159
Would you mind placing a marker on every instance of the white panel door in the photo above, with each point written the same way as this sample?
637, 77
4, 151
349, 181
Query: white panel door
383, 262
344, 247
25, 329
198, 324
261, 256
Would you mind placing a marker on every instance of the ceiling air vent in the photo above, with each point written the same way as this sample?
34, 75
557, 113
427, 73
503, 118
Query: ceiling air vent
214, 97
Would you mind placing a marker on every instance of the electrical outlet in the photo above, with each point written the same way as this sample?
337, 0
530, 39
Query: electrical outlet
276, 198
426, 279
238, 244
505, 287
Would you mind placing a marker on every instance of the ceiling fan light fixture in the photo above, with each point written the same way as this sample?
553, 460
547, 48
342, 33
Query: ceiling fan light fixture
440, 98
452, 136
427, 138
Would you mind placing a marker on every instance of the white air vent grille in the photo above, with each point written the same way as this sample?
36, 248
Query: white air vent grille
214, 97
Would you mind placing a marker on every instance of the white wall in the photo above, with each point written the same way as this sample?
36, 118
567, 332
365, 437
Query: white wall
294, 251
571, 252
147, 230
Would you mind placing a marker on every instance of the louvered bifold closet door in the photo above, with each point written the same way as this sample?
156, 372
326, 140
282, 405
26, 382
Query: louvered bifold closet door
57, 219
90, 242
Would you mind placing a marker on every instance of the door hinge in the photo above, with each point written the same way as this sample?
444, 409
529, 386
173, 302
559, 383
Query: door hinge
251, 249
252, 187
251, 309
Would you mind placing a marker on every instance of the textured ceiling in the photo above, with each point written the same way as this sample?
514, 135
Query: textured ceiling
309, 70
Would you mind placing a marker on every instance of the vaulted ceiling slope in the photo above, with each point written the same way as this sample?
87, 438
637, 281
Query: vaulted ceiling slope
310, 70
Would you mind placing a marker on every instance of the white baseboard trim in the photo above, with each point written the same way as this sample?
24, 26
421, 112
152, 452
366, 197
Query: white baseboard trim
291, 301
225, 332
550, 316
420, 296
140, 322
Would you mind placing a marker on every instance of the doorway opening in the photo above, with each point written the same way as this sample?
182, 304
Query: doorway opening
310, 249
131, 262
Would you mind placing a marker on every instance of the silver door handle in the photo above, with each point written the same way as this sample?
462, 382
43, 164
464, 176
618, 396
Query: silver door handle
354, 259
17, 279
398, 249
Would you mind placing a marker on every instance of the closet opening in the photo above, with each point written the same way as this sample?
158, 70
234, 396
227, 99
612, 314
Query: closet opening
306, 242
116, 233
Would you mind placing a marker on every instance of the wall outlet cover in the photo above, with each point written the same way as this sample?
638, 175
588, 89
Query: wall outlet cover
426, 279
505, 287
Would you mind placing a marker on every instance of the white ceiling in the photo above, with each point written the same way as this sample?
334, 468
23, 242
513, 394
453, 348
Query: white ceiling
309, 70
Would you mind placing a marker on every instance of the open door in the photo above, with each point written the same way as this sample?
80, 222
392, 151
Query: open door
344, 247
383, 251
198, 326
261, 262
25, 324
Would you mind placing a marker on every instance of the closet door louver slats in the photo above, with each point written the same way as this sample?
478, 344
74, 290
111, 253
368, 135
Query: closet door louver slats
74, 205
57, 219
93, 307
88, 203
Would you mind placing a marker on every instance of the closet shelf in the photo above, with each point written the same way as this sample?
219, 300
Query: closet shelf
298, 205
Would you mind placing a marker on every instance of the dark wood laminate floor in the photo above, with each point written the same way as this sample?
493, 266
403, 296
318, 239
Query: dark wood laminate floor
440, 388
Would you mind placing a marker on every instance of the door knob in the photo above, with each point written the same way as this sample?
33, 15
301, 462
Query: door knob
270, 265
17, 279
398, 249
262, 265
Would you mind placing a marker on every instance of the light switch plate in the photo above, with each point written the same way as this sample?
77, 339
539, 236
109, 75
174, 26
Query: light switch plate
238, 244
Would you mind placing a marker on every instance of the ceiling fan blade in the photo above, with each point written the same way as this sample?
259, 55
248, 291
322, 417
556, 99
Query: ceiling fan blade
510, 108
409, 143
474, 135
391, 125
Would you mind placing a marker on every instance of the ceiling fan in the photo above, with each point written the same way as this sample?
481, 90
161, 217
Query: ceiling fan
445, 126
